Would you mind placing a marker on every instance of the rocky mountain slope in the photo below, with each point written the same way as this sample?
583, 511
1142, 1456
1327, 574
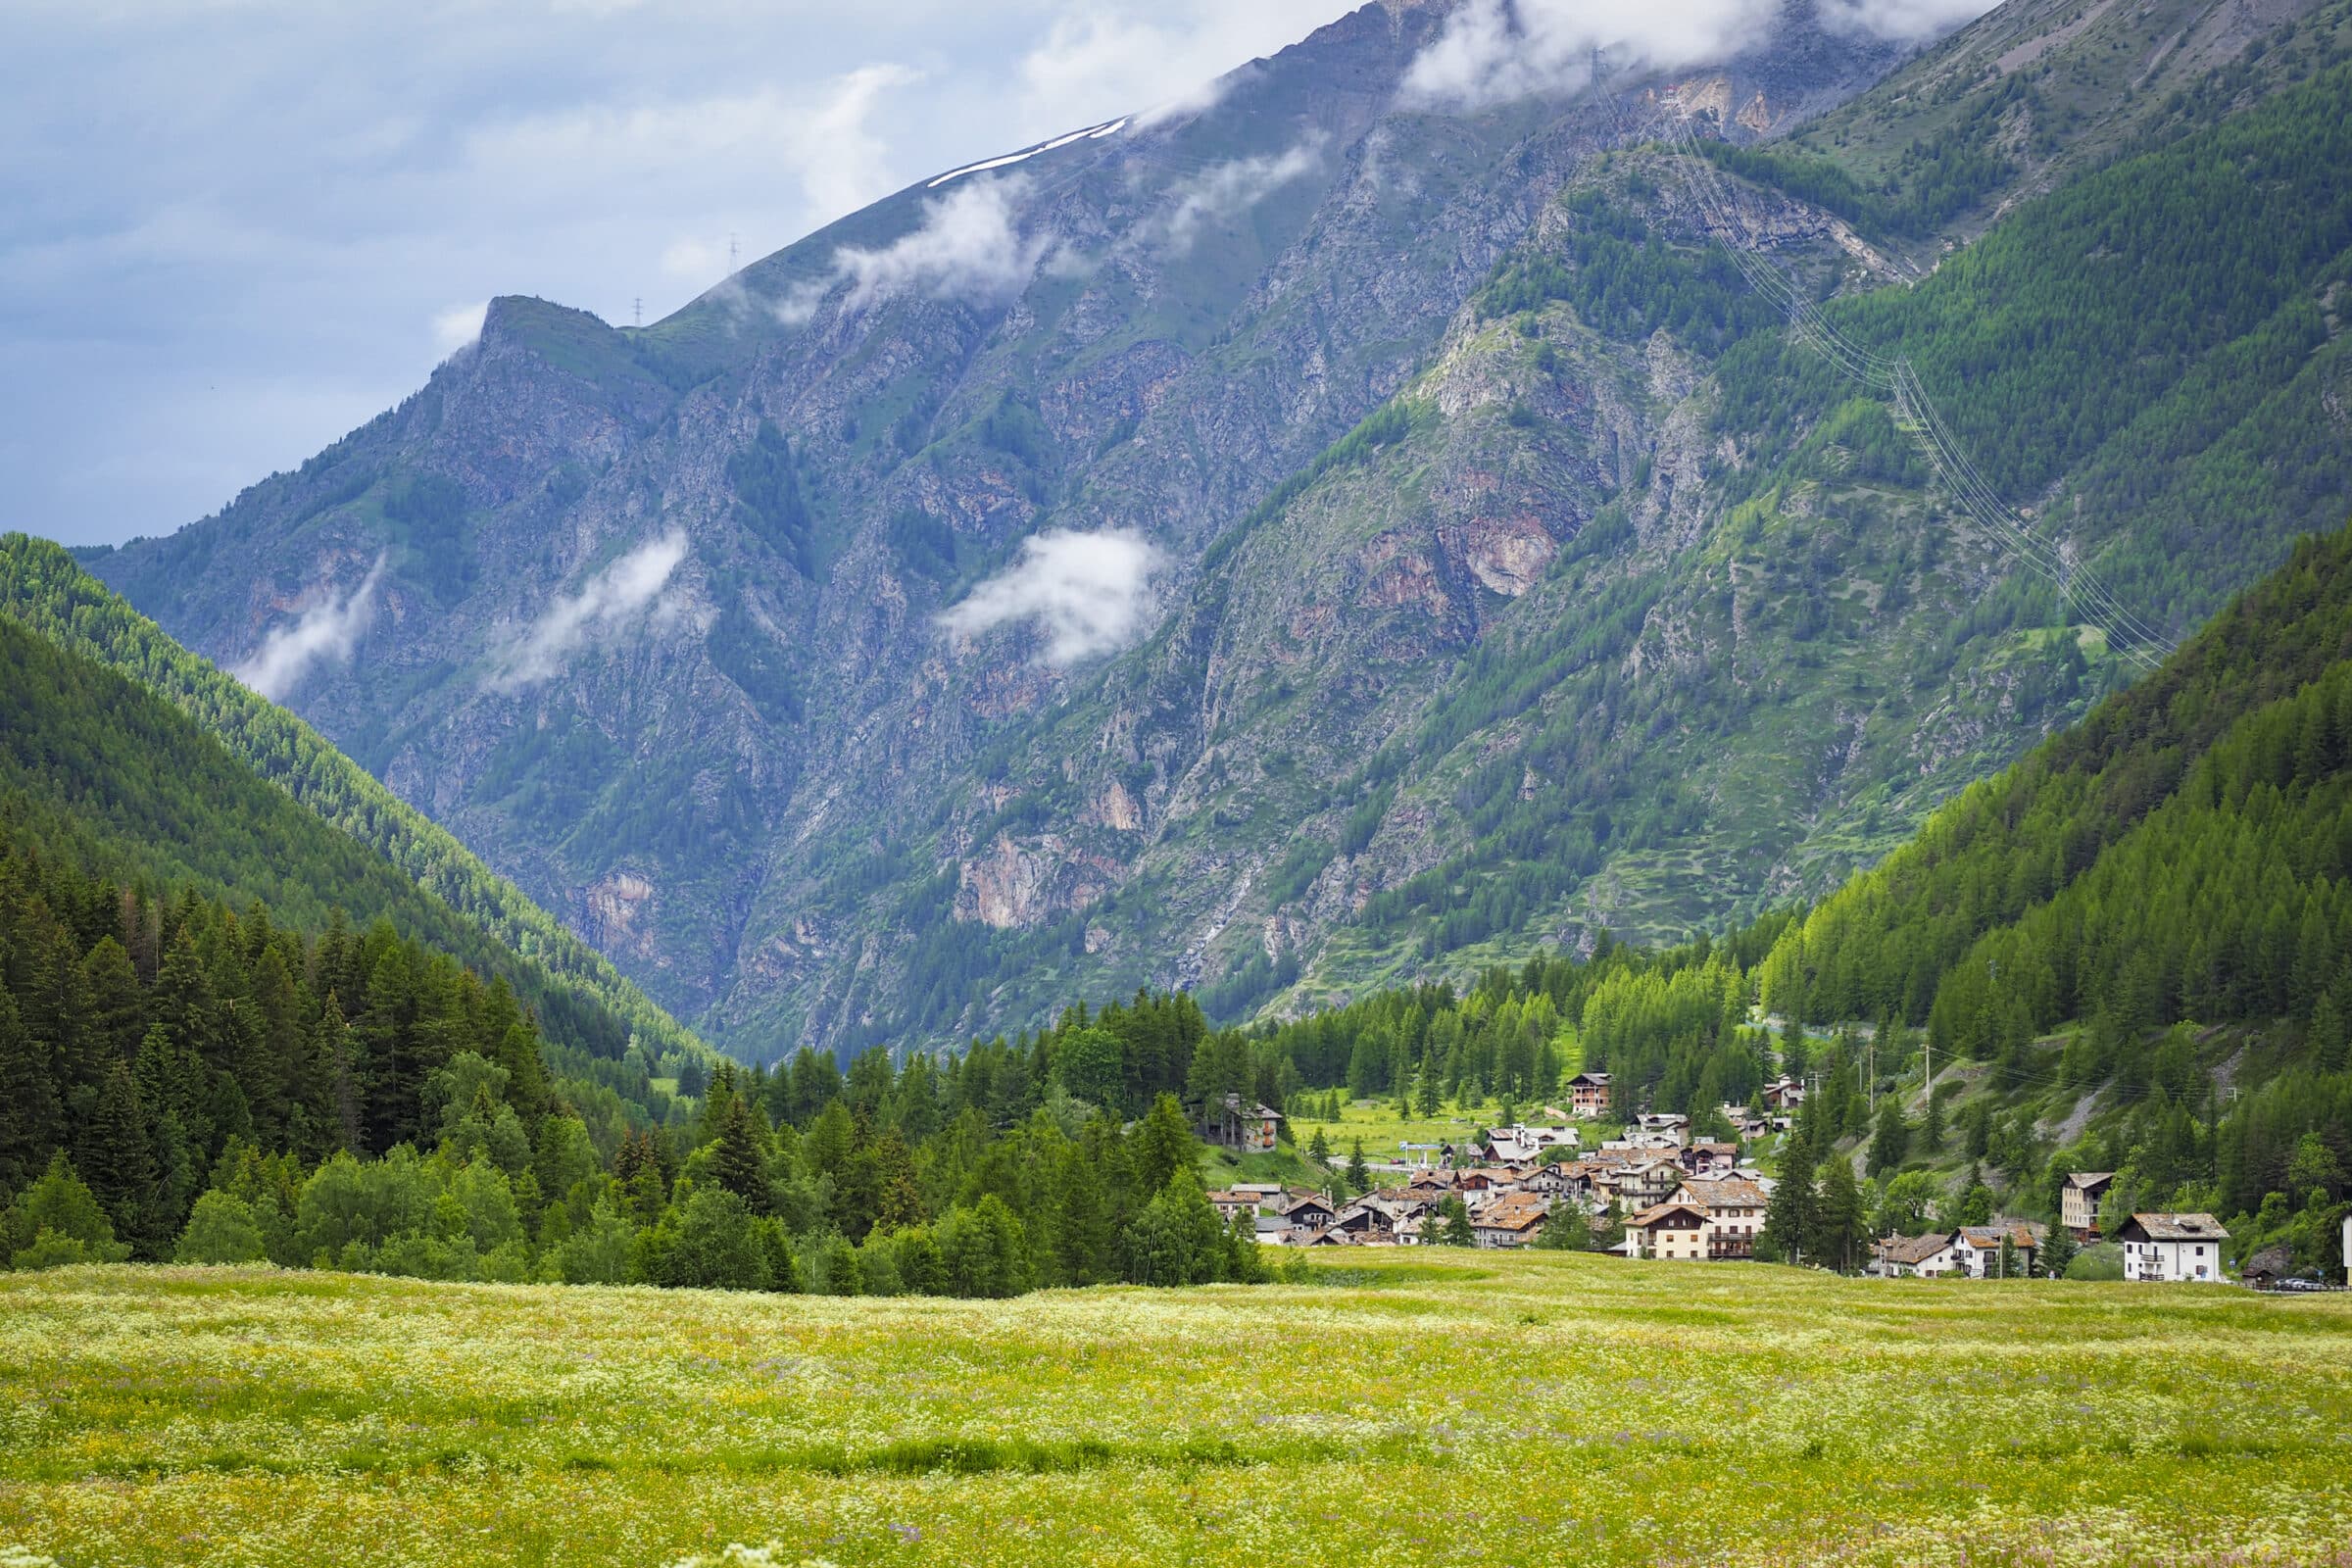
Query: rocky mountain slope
1303, 540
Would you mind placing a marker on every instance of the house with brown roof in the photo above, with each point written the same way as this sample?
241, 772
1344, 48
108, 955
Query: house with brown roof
2173, 1247
1977, 1248
1706, 1158
1673, 1230
1926, 1258
1734, 1212
2079, 1201
1512, 1220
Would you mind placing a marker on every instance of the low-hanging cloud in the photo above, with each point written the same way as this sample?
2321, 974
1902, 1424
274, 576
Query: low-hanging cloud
1496, 51
1223, 190
325, 634
612, 602
970, 245
1091, 593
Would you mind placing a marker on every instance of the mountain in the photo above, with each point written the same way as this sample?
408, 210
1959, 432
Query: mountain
127, 757
1331, 534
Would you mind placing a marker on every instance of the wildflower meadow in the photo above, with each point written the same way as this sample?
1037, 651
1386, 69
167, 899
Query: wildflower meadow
1409, 1408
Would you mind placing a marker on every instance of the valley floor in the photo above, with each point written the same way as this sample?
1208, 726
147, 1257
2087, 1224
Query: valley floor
1409, 1409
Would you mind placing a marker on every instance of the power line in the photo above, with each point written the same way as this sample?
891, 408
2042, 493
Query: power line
1727, 216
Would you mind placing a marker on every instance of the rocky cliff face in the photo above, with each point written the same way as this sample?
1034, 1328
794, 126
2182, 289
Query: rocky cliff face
657, 626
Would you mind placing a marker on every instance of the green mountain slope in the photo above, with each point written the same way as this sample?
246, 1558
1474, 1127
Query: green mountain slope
477, 912
102, 781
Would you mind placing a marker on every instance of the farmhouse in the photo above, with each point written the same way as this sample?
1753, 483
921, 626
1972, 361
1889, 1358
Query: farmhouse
2172, 1247
1668, 1230
2079, 1203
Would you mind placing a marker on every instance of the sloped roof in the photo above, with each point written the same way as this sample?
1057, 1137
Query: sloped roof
1729, 1192
2178, 1227
1913, 1250
1514, 1213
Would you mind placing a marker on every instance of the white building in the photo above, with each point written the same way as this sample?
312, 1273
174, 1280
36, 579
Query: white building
2172, 1247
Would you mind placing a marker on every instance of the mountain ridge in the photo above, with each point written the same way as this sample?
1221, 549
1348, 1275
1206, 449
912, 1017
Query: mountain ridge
789, 805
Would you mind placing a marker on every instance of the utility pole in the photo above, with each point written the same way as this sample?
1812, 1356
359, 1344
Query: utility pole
637, 312
730, 254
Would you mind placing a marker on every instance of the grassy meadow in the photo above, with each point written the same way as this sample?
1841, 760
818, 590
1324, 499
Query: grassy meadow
1410, 1408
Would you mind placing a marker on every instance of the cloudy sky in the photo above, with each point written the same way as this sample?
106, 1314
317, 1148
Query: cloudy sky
231, 230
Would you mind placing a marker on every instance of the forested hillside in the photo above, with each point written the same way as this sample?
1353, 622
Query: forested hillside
200, 1058
443, 894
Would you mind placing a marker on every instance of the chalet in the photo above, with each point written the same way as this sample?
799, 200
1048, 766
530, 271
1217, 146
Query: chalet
1734, 1212
2172, 1247
1589, 1094
1783, 1094
1307, 1214
1510, 1221
1551, 1181
1236, 1123
1977, 1248
1708, 1158
1365, 1221
2079, 1201
1667, 1230
1926, 1258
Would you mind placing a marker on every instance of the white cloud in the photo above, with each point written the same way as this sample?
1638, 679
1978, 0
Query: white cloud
327, 631
1157, 61
1223, 190
1496, 51
967, 246
613, 601
1090, 592
459, 325
1906, 21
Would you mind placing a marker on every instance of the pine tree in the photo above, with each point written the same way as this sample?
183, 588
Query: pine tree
118, 1165
1841, 1227
1359, 1175
32, 1120
2058, 1252
1788, 1213
1891, 1140
738, 1157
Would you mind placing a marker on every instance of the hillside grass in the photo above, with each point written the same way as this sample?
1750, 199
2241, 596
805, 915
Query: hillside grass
1413, 1406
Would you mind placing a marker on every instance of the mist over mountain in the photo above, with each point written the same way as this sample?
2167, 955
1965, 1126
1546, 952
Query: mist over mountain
1364, 520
